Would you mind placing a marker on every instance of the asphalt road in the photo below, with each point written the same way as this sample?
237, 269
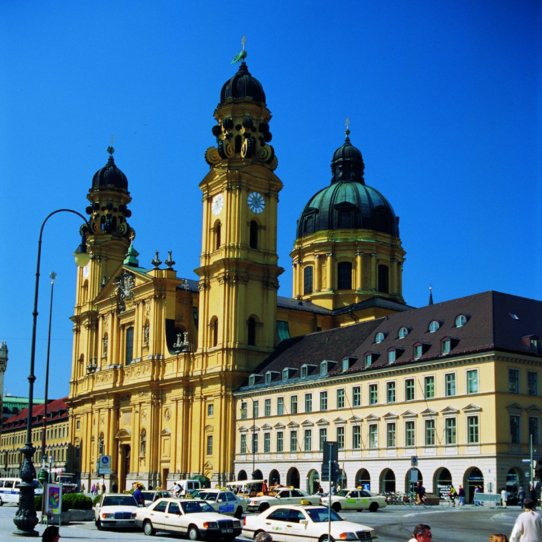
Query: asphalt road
392, 524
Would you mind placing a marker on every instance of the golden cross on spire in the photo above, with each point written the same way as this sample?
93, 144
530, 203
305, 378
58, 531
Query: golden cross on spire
243, 42
347, 126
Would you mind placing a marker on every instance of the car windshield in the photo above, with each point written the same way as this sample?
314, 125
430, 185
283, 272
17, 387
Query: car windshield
195, 507
321, 515
119, 500
208, 495
342, 493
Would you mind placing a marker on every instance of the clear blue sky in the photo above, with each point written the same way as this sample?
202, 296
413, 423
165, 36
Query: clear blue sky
444, 99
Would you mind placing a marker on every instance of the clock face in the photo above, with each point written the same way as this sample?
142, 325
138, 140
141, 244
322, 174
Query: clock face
217, 204
256, 202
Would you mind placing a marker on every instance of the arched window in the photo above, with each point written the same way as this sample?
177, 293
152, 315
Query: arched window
217, 235
129, 345
251, 324
253, 234
307, 280
383, 279
214, 331
143, 443
344, 276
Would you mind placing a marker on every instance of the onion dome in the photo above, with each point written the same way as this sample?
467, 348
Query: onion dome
348, 203
110, 176
241, 87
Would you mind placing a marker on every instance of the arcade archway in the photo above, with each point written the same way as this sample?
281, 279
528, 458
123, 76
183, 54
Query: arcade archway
387, 481
363, 479
292, 477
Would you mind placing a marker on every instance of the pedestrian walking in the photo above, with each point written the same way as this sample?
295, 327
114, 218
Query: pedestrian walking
421, 533
461, 495
51, 534
528, 526
504, 497
476, 501
138, 495
452, 494
419, 490
521, 495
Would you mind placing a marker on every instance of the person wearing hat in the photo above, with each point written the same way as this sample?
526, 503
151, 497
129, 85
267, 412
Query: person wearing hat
528, 526
51, 534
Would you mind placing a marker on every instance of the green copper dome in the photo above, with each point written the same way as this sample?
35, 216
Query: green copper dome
348, 203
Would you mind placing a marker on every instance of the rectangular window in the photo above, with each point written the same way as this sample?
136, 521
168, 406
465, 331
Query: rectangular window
267, 442
429, 432
472, 381
513, 380
243, 449
410, 435
340, 398
409, 389
514, 429
307, 441
356, 396
390, 435
323, 438
255, 409
356, 437
280, 441
280, 406
244, 408
340, 438
429, 387
129, 345
373, 394
373, 436
267, 408
449, 384
209, 444
450, 426
293, 404
532, 383
390, 392
210, 410
534, 430
473, 430
392, 356
254, 443
308, 402
293, 441
323, 400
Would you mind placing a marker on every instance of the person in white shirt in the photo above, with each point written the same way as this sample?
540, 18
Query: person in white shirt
528, 526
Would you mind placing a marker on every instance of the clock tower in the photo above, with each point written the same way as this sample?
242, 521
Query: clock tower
239, 262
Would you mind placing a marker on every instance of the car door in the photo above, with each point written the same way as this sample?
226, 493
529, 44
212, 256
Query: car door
297, 527
224, 506
175, 519
157, 515
275, 523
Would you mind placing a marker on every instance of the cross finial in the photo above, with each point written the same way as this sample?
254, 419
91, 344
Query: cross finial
347, 127
243, 42
110, 150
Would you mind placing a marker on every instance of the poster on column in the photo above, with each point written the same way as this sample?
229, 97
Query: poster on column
53, 504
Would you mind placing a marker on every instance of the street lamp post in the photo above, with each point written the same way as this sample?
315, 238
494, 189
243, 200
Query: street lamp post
45, 474
25, 518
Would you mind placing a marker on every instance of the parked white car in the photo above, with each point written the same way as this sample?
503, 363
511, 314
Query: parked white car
223, 502
284, 495
151, 495
355, 499
193, 518
116, 511
307, 523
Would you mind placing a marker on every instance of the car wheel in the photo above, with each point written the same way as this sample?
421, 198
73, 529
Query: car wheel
148, 529
336, 506
229, 538
373, 507
263, 507
326, 539
256, 533
193, 533
239, 512
1, 502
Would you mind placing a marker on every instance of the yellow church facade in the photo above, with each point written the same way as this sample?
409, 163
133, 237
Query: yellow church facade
157, 357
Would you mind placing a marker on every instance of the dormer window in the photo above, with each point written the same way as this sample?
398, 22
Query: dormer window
346, 363
460, 320
433, 326
369, 358
420, 349
285, 374
269, 376
304, 371
379, 337
402, 333
325, 366
446, 346
253, 379
392, 355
